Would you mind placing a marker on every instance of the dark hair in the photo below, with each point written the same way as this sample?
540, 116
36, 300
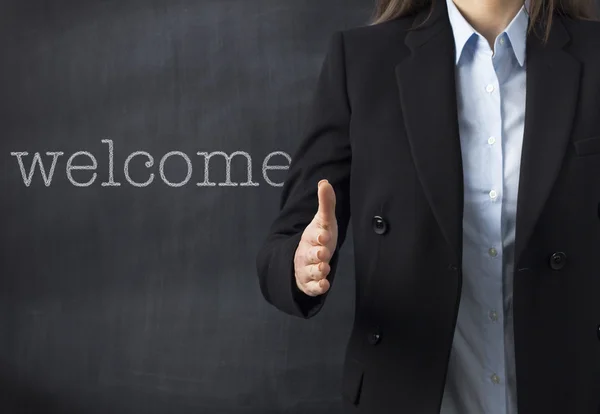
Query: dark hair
539, 10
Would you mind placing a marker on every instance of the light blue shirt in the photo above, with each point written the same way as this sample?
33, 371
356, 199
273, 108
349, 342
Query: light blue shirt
491, 111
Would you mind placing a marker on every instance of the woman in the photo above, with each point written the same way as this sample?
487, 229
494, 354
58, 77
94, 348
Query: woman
464, 138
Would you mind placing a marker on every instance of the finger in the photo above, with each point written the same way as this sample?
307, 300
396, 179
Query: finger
319, 237
314, 272
326, 211
316, 288
317, 254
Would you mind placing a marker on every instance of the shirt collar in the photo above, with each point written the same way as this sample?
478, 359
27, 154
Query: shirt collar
516, 30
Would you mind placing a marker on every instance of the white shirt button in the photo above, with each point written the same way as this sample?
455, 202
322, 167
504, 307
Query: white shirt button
502, 40
489, 88
493, 316
493, 252
495, 379
491, 140
493, 194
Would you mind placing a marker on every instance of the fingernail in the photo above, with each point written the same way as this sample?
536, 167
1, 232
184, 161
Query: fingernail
320, 182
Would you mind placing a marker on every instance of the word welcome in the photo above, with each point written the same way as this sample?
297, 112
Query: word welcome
93, 165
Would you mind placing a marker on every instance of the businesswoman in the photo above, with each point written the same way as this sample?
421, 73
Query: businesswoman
463, 140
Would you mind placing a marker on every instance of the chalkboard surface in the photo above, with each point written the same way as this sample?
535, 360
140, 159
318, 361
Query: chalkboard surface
127, 259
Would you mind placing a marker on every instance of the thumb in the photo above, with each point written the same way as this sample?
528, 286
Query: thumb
326, 195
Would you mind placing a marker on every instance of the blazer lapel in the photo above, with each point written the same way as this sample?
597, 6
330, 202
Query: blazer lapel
427, 90
551, 100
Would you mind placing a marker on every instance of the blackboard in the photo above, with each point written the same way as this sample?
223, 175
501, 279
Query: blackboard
127, 269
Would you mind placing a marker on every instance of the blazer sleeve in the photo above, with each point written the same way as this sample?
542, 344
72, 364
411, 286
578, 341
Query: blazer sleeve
323, 153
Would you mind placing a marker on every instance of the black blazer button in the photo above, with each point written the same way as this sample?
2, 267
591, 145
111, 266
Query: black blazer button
374, 337
558, 260
379, 225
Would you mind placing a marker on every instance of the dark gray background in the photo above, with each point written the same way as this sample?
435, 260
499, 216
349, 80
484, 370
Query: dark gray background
145, 300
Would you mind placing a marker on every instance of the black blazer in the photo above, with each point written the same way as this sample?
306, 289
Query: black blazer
384, 132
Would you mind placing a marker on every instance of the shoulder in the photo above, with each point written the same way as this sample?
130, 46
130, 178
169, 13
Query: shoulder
581, 27
380, 31
373, 38
585, 35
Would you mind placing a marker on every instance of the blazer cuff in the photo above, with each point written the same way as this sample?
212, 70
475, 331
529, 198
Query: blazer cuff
283, 291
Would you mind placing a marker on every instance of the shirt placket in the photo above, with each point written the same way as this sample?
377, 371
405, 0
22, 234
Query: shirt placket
494, 250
